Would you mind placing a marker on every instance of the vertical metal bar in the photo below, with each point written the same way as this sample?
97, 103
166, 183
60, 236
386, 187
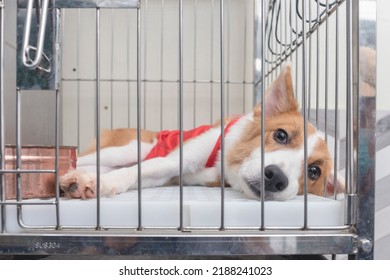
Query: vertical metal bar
145, 67
57, 119
244, 60
212, 62
349, 98
195, 60
263, 50
296, 49
78, 77
112, 69
222, 116
18, 154
274, 55
162, 63
309, 70
256, 54
266, 37
350, 165
285, 29
280, 44
57, 156
326, 70
97, 119
318, 65
139, 170
227, 59
305, 115
2, 115
336, 92
266, 51
129, 27
18, 141
181, 56
291, 31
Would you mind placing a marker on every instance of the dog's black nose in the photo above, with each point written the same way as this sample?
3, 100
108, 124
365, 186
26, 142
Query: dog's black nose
275, 179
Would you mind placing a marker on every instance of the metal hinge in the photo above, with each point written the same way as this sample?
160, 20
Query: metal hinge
351, 209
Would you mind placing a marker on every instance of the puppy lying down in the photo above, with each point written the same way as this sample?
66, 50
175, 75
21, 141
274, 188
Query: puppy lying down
283, 166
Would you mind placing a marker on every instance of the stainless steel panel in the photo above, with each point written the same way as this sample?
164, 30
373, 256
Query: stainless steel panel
174, 244
365, 94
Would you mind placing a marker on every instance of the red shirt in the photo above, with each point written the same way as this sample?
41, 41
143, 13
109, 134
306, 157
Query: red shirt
168, 140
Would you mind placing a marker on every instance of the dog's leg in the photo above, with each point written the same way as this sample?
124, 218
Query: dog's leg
114, 157
81, 182
154, 172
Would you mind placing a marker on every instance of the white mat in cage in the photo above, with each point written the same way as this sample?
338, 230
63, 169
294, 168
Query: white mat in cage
160, 208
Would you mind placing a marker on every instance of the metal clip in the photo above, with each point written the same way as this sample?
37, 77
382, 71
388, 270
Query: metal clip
26, 50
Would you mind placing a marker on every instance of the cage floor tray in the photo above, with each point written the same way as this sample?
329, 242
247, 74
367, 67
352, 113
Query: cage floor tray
160, 208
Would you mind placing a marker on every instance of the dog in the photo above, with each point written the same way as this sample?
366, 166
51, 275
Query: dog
283, 147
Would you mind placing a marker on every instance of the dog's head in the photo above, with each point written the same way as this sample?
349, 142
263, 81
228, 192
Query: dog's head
284, 149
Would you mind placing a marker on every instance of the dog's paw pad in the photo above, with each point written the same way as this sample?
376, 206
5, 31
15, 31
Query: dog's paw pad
78, 184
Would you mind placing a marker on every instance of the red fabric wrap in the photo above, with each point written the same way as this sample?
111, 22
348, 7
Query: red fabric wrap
168, 140
213, 156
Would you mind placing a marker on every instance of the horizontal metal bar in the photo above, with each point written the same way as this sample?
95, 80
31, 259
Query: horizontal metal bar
324, 228
119, 228
22, 203
193, 230
27, 171
174, 244
159, 81
89, 4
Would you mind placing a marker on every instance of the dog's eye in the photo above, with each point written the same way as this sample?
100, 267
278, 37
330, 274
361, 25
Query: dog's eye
313, 172
281, 136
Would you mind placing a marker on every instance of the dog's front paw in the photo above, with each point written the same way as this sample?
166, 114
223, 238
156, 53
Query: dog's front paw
78, 184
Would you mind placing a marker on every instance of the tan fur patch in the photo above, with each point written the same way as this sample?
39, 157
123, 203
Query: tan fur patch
321, 159
120, 137
279, 97
291, 122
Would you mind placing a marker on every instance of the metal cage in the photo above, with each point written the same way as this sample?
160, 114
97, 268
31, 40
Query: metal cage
85, 65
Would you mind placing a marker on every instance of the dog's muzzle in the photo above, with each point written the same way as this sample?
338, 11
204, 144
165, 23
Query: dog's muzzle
275, 181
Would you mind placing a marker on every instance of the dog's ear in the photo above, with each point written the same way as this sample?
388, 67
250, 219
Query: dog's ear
340, 184
279, 97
